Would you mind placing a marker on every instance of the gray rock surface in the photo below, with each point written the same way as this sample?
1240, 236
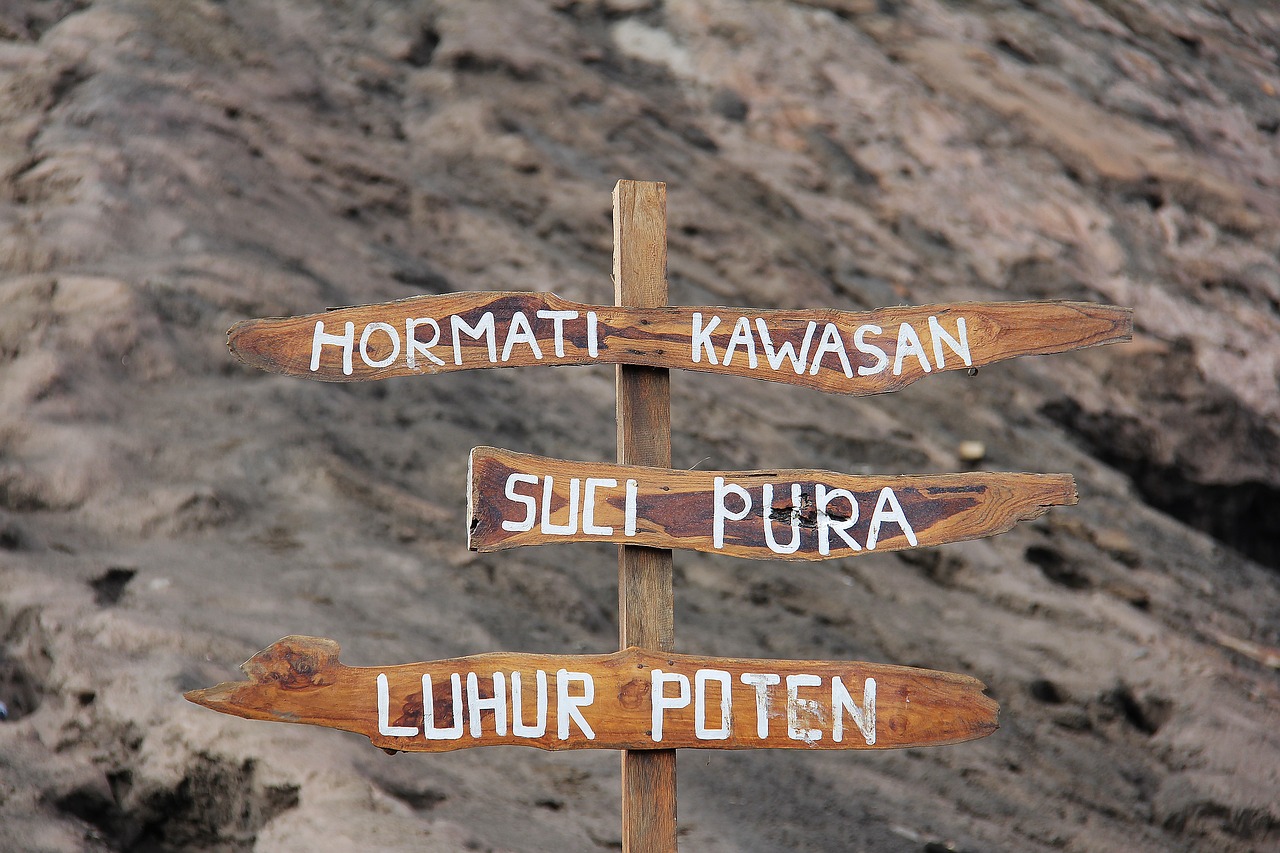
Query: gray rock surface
168, 167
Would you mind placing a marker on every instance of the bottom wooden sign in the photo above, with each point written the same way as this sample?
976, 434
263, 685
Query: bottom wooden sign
633, 699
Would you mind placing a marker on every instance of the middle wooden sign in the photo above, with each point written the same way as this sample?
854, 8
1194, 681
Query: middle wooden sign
517, 499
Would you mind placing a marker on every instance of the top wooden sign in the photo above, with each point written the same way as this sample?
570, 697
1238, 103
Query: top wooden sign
834, 351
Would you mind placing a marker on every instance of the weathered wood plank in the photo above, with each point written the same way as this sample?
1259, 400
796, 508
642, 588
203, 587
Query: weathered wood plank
633, 699
646, 603
834, 351
517, 499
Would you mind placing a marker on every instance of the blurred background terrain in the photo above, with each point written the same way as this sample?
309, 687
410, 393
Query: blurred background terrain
169, 167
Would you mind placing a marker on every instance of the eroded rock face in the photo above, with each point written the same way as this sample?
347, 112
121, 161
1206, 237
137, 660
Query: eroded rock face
167, 169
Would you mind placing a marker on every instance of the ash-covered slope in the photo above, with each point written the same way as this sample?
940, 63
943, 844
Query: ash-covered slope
169, 168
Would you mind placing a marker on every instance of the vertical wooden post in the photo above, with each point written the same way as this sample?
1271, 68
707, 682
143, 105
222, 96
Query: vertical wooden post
646, 615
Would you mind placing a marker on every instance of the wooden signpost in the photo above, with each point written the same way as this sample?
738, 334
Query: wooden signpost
517, 499
646, 600
645, 700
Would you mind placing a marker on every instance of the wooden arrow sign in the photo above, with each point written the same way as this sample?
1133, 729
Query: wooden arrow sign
517, 499
834, 351
633, 699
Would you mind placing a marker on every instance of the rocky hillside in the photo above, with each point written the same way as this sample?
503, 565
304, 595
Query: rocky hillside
169, 167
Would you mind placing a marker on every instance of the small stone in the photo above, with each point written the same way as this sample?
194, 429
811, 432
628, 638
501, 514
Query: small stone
1131, 593
1072, 718
730, 104
971, 451
627, 7
1044, 690
1117, 544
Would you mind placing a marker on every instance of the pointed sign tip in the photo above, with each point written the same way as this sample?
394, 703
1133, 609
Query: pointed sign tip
293, 663
244, 341
1070, 494
215, 698
1126, 324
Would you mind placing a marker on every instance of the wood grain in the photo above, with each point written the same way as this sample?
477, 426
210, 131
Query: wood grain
675, 509
664, 337
300, 680
646, 602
